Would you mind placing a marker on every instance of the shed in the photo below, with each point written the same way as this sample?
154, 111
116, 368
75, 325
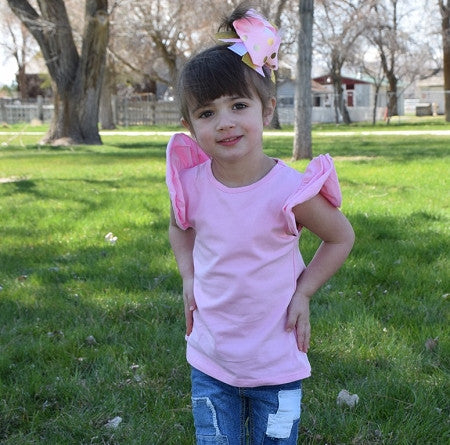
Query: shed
359, 91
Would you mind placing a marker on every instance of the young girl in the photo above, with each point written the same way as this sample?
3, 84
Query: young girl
235, 227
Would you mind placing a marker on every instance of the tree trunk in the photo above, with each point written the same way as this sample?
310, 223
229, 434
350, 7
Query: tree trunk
275, 124
340, 109
338, 99
276, 116
392, 96
22, 82
303, 101
445, 13
374, 111
106, 111
77, 80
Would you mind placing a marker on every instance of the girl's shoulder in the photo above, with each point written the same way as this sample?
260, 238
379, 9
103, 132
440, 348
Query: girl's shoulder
183, 153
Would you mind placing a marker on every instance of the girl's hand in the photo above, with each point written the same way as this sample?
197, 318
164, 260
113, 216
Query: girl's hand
298, 319
189, 303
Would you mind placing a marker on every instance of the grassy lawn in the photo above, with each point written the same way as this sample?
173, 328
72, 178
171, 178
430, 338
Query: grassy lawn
91, 330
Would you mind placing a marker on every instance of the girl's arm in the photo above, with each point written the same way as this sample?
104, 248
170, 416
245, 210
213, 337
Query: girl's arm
182, 242
337, 236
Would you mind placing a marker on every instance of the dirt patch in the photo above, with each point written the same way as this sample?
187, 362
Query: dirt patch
11, 179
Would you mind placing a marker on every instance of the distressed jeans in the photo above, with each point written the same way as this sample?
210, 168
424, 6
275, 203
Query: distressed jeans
229, 415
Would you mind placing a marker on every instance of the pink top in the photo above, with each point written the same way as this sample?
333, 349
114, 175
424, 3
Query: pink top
246, 263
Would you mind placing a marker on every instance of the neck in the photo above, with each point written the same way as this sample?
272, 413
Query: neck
240, 174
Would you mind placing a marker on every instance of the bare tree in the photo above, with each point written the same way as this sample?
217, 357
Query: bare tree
445, 14
77, 77
162, 33
375, 71
339, 24
303, 102
18, 44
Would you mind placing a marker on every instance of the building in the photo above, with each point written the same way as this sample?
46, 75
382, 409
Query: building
430, 91
359, 96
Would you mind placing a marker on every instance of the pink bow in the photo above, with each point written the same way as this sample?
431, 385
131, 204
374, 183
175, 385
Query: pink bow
257, 41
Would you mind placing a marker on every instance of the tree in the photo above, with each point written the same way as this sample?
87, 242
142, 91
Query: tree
303, 101
162, 34
277, 22
375, 71
390, 42
445, 14
17, 43
339, 25
77, 77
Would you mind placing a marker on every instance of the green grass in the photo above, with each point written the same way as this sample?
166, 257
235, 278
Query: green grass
62, 282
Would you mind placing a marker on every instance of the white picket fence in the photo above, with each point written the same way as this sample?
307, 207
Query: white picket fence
327, 114
127, 111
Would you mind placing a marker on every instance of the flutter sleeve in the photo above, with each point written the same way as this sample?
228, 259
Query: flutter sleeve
182, 153
319, 177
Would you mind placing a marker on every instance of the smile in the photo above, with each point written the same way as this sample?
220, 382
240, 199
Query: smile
231, 140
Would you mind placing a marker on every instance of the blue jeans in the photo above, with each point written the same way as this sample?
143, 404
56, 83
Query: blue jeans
228, 415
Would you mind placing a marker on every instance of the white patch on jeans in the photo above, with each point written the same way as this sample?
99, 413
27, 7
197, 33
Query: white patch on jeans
212, 410
279, 425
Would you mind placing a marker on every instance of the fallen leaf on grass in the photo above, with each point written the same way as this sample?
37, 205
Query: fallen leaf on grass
90, 340
56, 334
345, 398
110, 238
113, 423
431, 343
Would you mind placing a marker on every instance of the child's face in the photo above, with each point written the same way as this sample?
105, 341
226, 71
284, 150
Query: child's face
230, 127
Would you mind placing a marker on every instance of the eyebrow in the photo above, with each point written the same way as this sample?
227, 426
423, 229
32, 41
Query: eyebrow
210, 104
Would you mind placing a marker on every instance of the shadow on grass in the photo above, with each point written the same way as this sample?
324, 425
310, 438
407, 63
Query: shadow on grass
394, 148
128, 297
63, 188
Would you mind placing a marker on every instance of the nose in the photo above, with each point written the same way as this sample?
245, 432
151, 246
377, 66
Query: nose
225, 121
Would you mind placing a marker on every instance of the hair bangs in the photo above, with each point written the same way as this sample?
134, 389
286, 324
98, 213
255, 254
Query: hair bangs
215, 73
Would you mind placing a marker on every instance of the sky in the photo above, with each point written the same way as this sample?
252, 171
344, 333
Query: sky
8, 70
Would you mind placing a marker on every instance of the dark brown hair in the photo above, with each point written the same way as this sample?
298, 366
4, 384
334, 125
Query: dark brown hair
218, 71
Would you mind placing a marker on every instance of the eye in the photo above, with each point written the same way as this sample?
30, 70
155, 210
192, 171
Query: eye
239, 106
205, 114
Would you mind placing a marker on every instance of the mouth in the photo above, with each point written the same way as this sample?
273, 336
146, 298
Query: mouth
229, 141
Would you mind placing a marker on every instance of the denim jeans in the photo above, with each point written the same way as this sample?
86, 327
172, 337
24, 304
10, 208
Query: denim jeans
229, 415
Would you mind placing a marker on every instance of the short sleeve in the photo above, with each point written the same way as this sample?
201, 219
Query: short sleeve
319, 177
182, 153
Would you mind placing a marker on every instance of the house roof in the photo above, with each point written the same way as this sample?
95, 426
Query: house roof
433, 81
316, 87
346, 80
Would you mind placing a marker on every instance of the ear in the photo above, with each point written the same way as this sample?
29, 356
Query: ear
185, 124
188, 126
269, 110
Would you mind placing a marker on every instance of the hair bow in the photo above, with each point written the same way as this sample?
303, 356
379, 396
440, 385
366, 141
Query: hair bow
256, 40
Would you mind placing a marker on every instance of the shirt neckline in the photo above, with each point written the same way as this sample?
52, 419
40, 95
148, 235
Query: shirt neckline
244, 188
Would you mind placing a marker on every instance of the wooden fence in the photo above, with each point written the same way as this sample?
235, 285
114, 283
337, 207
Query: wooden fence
144, 109
127, 111
13, 111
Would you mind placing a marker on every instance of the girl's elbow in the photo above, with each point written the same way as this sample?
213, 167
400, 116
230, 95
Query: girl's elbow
350, 237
